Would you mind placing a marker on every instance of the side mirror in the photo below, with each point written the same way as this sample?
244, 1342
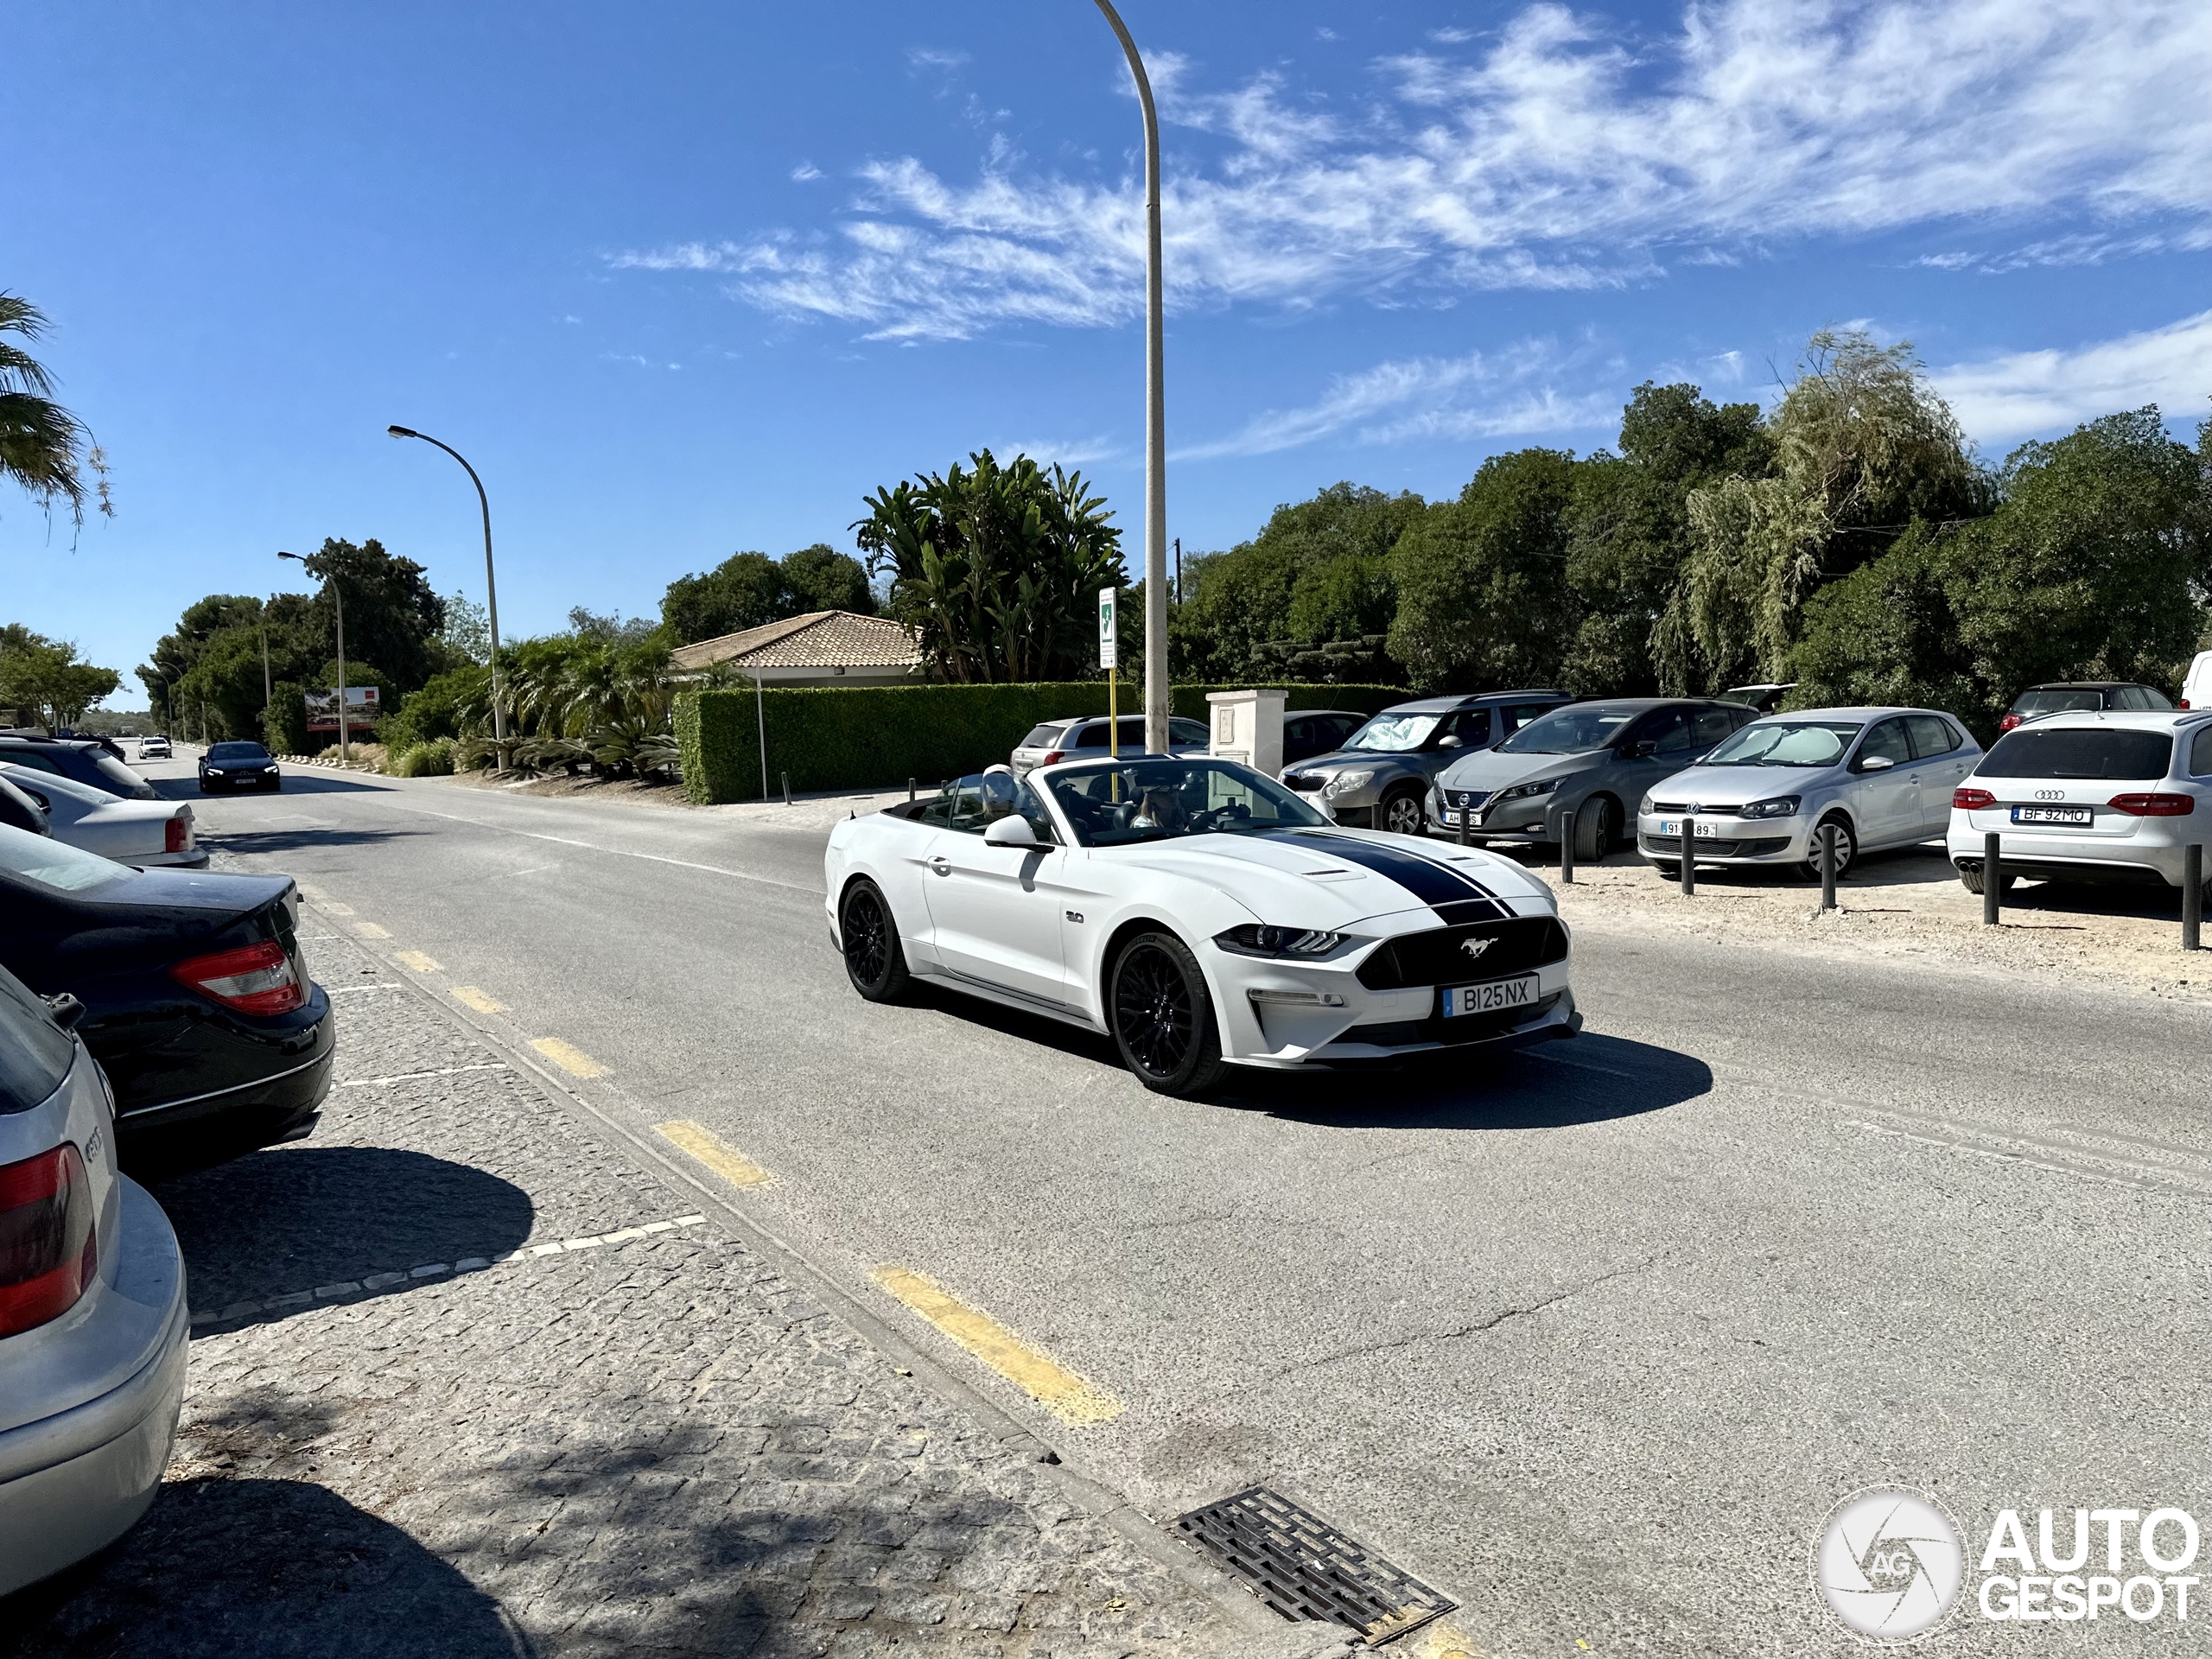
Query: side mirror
67, 1010
1447, 743
1011, 830
1875, 763
1643, 751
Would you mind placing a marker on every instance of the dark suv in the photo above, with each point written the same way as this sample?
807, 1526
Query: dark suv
1380, 778
2083, 697
81, 761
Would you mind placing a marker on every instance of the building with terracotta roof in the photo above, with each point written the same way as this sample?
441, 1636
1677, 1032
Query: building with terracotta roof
821, 648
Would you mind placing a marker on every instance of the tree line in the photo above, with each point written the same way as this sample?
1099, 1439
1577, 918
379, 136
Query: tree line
1849, 541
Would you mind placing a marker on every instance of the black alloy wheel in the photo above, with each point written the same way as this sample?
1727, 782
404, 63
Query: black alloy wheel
1163, 1017
1594, 827
873, 961
1402, 812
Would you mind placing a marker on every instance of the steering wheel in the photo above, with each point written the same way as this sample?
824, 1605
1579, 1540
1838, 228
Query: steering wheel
1232, 812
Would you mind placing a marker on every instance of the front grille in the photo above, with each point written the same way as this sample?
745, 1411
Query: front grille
1709, 846
1702, 810
1438, 957
1305, 781
1464, 1028
1466, 798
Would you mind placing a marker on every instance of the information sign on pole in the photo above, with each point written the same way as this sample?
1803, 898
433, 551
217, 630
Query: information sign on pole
1108, 636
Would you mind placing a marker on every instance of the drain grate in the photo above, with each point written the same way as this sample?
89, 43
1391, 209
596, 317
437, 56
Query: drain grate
1303, 1568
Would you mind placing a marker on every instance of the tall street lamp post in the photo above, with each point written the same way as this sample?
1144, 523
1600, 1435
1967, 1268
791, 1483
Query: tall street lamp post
338, 601
491, 590
1155, 418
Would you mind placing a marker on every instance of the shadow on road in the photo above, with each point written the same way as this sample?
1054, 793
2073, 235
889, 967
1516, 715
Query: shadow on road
251, 1569
293, 1217
296, 782
1591, 1080
245, 841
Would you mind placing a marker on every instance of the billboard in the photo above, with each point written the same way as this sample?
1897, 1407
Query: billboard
361, 709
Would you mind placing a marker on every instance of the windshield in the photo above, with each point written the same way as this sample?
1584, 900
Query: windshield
237, 752
1116, 806
1393, 733
49, 863
1572, 730
1790, 743
2099, 751
2058, 702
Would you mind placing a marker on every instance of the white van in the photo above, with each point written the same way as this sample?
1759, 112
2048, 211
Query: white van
2196, 688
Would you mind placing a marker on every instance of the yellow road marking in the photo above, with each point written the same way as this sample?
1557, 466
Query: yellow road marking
714, 1152
370, 931
569, 1058
1066, 1395
417, 960
477, 999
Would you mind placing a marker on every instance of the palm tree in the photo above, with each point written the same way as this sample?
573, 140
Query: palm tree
43, 446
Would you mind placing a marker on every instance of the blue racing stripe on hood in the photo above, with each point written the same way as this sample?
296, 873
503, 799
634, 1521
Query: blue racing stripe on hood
1453, 895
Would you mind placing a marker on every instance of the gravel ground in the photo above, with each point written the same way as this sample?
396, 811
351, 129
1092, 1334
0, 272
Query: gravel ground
464, 1381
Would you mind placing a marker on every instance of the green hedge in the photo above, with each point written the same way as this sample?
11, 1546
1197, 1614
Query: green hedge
871, 737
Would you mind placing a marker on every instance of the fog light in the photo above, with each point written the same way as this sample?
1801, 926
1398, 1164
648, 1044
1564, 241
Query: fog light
1298, 999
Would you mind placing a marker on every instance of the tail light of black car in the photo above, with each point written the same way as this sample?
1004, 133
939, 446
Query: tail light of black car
49, 1251
258, 979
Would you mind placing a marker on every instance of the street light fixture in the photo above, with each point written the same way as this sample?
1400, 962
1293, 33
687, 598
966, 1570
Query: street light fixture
330, 579
491, 588
1155, 420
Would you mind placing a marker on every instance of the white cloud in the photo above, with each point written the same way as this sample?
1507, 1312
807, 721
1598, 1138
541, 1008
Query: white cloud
930, 57
1064, 451
1560, 151
1482, 395
805, 172
2026, 394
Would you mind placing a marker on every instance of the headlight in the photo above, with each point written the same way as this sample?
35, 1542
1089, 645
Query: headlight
1256, 940
1644, 806
1344, 782
1781, 806
1522, 791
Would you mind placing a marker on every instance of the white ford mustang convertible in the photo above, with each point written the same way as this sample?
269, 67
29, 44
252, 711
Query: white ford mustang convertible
1201, 914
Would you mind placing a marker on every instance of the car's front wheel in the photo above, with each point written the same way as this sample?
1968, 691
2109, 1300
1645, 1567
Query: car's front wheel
1595, 826
873, 961
1163, 1016
1402, 812
1846, 847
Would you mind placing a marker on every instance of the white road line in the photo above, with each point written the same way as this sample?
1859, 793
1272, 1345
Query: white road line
409, 1077
350, 990
376, 1281
616, 852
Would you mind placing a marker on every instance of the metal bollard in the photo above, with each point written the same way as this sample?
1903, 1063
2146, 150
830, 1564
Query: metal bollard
1466, 818
2192, 897
1993, 883
1567, 848
1690, 858
787, 789
1827, 867
910, 792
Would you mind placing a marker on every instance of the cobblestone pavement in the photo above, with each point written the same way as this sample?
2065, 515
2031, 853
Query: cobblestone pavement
466, 1381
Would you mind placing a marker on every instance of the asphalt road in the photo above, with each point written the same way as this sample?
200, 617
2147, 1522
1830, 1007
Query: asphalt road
1592, 1337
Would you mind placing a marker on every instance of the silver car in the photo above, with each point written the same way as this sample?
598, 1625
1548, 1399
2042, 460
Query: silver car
1883, 777
1381, 778
92, 1320
1083, 737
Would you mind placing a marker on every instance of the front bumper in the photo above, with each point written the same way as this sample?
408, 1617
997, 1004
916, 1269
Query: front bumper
1733, 841
1526, 818
1346, 1023
74, 1482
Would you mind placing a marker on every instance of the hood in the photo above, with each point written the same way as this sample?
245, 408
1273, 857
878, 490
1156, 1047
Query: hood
1340, 759
1711, 786
1332, 878
1487, 769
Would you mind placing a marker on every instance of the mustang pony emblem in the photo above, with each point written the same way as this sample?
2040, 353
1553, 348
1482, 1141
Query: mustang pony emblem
1474, 947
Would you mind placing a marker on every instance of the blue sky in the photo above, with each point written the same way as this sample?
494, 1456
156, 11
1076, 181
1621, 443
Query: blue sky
684, 279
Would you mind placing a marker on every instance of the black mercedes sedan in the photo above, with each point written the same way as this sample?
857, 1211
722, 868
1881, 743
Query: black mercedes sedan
238, 765
197, 1001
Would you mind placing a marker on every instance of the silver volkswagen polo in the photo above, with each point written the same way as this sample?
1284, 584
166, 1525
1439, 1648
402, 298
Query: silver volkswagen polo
1883, 777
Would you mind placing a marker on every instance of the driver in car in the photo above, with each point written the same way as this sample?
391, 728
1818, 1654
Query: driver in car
1160, 809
